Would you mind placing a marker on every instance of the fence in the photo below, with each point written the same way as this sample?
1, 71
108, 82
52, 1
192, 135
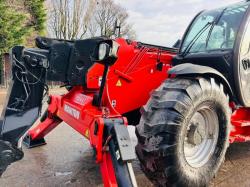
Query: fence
5, 71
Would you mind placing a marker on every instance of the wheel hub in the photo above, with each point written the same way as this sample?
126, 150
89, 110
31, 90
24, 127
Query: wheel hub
201, 136
195, 134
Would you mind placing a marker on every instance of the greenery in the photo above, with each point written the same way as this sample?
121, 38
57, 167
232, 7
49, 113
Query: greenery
17, 25
12, 27
38, 13
20, 22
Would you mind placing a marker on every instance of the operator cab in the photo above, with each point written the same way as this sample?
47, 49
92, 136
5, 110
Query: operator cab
220, 39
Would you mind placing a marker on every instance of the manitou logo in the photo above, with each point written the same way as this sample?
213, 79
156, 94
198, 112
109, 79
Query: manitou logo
71, 111
246, 64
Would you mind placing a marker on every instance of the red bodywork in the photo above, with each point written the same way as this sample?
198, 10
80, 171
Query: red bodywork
129, 84
240, 121
138, 70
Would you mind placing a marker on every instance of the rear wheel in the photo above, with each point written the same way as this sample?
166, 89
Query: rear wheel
183, 133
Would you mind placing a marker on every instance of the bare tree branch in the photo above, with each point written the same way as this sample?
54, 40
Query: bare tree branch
68, 19
106, 15
76, 19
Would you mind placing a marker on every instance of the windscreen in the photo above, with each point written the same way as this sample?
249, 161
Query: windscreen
215, 30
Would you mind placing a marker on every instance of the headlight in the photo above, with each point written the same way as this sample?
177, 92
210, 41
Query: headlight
104, 51
115, 47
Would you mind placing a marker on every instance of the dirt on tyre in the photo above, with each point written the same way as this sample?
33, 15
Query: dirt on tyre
183, 134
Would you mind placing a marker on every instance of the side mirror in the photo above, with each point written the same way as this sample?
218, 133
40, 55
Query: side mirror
106, 52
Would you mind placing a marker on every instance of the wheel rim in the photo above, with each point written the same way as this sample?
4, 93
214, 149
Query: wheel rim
201, 137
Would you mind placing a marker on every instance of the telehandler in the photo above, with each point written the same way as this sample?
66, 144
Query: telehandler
189, 104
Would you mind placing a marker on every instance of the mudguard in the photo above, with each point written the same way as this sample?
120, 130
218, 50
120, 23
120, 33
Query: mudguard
192, 69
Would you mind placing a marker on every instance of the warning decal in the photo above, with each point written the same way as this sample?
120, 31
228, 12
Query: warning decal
119, 83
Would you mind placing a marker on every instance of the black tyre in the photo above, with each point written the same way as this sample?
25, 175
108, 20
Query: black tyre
184, 132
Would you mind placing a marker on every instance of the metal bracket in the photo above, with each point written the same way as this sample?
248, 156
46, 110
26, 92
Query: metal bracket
29, 143
125, 145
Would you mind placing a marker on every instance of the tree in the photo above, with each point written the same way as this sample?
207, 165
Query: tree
69, 19
35, 17
106, 17
13, 27
38, 14
76, 19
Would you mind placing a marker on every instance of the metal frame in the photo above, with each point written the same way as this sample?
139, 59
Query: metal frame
77, 110
136, 69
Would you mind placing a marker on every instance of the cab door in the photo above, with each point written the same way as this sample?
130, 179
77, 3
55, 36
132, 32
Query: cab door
242, 69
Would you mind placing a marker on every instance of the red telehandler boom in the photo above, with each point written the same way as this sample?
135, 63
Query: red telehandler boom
194, 101
104, 78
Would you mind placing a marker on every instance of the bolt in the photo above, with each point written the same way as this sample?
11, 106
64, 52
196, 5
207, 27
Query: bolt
210, 136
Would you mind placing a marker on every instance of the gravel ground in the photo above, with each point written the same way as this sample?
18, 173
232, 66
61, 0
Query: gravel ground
67, 160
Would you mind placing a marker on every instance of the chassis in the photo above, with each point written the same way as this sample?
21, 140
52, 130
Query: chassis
197, 99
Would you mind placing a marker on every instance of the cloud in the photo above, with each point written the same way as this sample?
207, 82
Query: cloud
162, 22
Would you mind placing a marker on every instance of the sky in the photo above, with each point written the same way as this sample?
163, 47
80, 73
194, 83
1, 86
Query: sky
163, 22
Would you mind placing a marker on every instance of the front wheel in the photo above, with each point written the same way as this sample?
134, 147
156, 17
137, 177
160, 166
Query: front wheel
184, 132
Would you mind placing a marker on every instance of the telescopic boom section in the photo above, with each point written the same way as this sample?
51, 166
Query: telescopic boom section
94, 104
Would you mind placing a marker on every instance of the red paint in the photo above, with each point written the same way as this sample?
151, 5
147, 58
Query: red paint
136, 71
107, 170
137, 74
240, 121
